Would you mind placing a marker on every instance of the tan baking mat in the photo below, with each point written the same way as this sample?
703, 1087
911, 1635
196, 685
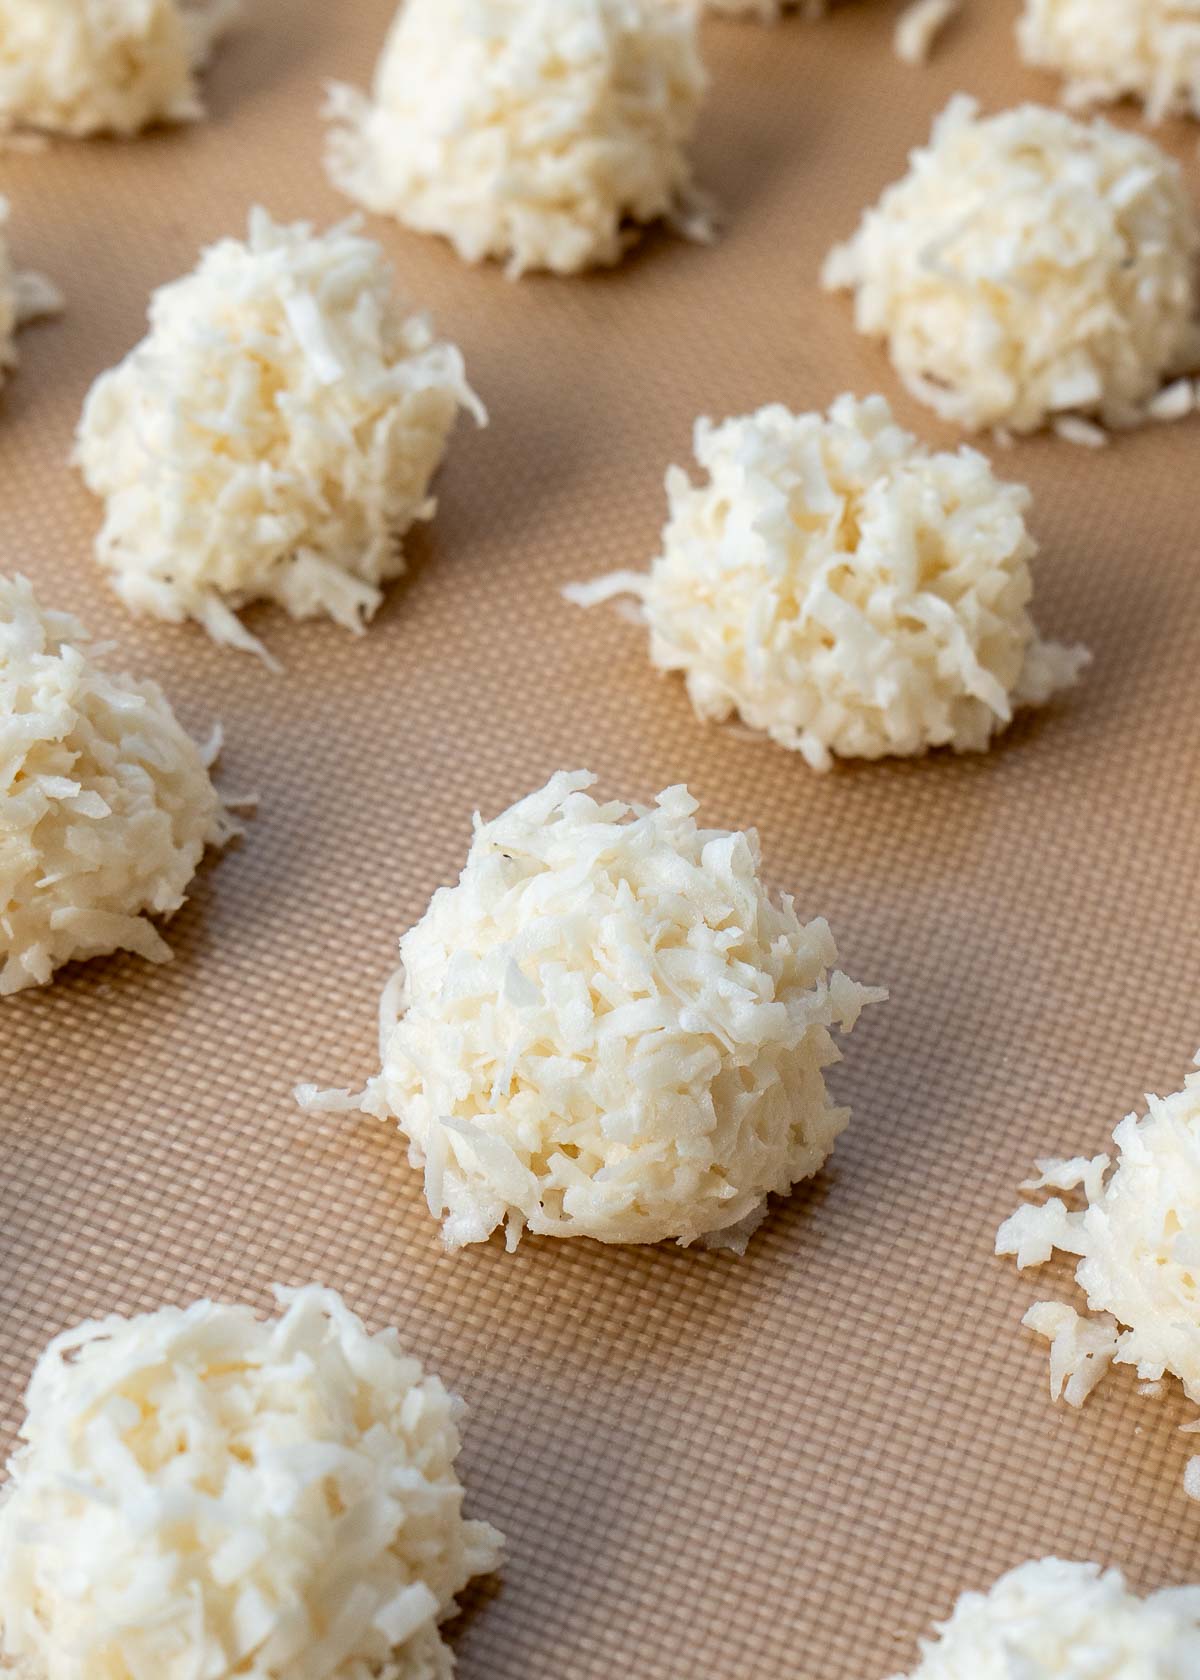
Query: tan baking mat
780, 1466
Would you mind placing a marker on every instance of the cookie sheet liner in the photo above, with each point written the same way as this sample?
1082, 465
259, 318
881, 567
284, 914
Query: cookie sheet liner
779, 1466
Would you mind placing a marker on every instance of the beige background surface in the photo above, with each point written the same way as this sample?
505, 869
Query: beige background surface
783, 1466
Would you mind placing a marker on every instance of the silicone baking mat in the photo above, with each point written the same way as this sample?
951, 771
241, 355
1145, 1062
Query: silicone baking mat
783, 1465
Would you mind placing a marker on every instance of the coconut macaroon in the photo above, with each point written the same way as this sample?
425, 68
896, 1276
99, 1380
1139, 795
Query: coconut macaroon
844, 589
1052, 1620
1136, 1230
23, 297
1029, 269
203, 1492
80, 67
1148, 50
542, 133
273, 436
106, 804
608, 1029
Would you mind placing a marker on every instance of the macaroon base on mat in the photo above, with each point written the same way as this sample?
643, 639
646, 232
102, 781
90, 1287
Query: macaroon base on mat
783, 1465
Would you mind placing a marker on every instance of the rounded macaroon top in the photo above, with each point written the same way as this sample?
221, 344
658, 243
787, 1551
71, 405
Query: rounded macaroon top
537, 132
81, 67
1030, 267
844, 588
608, 1028
202, 1491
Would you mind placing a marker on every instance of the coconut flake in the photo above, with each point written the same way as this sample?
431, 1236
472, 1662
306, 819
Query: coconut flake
918, 28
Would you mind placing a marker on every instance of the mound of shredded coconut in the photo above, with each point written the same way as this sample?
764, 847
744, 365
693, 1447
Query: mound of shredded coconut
106, 805
23, 297
1052, 1620
608, 1029
1027, 267
105, 66
1116, 49
844, 589
1137, 1235
273, 435
200, 1492
539, 132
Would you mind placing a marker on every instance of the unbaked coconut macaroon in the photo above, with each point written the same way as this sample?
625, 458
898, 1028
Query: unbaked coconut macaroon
201, 1492
542, 133
1029, 270
23, 297
844, 589
1136, 1230
273, 436
106, 804
80, 67
608, 1029
1105, 50
1052, 1620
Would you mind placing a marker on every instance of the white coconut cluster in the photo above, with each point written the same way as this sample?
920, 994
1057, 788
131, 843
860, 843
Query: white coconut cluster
608, 1029
542, 133
81, 67
23, 297
1137, 1235
844, 589
106, 804
1052, 1620
1107, 50
201, 1492
273, 436
1030, 267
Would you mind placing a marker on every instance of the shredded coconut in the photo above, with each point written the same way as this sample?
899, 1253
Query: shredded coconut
608, 1029
273, 435
81, 67
23, 297
539, 132
106, 805
1030, 266
1137, 1236
200, 1492
844, 589
1117, 49
918, 28
1052, 1620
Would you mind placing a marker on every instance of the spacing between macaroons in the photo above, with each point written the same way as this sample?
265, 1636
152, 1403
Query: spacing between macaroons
1030, 267
106, 804
1116, 49
273, 436
201, 1492
81, 67
845, 589
1052, 1620
539, 132
608, 1029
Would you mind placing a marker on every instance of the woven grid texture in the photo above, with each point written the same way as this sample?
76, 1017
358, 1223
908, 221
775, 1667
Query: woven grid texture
779, 1466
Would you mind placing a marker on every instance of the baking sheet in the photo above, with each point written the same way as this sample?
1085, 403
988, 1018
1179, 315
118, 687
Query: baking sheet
785, 1465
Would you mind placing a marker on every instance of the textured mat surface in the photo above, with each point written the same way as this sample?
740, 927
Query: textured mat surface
783, 1466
